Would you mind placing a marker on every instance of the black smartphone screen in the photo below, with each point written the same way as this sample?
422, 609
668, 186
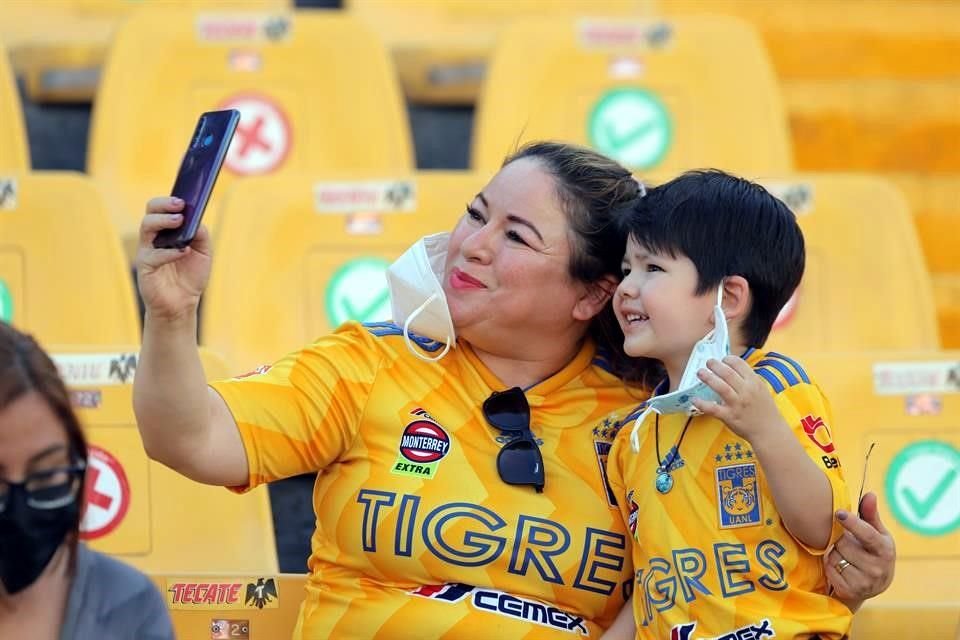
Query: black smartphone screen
198, 173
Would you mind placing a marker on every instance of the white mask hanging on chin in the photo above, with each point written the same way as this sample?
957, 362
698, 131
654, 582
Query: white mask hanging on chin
715, 345
417, 300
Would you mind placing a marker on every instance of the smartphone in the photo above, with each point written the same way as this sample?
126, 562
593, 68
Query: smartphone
198, 173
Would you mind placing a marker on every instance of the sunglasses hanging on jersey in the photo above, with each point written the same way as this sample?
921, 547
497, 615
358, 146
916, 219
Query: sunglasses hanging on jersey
519, 461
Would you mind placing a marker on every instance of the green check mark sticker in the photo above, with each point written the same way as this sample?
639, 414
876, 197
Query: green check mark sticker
632, 126
358, 291
923, 487
6, 303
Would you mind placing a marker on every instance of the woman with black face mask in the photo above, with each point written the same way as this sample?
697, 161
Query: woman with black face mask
51, 586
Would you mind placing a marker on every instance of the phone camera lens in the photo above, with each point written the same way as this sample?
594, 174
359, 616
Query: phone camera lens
198, 135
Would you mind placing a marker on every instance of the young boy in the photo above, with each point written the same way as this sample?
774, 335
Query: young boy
735, 503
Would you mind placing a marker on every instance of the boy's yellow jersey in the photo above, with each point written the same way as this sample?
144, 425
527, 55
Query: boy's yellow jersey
417, 536
711, 555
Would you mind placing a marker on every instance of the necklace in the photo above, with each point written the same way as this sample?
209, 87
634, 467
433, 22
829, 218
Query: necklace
664, 481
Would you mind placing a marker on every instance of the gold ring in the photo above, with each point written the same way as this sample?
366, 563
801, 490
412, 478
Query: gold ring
843, 564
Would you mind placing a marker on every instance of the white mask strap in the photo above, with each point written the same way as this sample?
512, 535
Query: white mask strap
634, 434
406, 333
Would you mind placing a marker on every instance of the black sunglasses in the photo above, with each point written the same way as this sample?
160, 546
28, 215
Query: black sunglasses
520, 460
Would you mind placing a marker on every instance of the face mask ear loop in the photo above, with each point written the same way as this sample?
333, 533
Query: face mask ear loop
634, 434
406, 333
718, 314
721, 317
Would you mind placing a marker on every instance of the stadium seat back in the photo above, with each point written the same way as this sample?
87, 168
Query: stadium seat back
865, 285
318, 260
652, 94
441, 47
141, 511
935, 206
58, 46
13, 139
908, 403
62, 273
315, 90
233, 605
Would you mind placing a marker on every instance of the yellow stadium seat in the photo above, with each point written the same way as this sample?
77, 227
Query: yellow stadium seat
318, 259
141, 511
840, 39
874, 125
935, 200
935, 205
655, 95
58, 46
232, 614
62, 273
316, 90
908, 403
866, 285
14, 155
441, 46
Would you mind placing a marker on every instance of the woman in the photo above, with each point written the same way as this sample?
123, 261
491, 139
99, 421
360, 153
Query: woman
51, 586
442, 509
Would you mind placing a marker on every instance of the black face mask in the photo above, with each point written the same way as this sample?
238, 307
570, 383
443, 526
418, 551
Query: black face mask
29, 538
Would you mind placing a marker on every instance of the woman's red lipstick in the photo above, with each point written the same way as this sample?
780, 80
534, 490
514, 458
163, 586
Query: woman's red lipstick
460, 280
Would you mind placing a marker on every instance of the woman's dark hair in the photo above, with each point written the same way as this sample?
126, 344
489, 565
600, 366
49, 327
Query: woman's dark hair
595, 192
25, 368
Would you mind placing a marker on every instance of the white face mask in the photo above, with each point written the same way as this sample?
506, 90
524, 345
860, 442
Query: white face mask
417, 299
715, 345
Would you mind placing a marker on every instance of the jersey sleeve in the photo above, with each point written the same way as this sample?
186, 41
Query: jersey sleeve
806, 409
299, 414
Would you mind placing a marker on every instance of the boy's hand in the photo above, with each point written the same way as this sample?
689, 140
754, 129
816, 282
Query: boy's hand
748, 408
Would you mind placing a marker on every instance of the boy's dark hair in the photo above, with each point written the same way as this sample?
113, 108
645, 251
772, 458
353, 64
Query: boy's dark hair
726, 226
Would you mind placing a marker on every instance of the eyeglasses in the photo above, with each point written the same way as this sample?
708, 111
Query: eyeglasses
44, 490
520, 460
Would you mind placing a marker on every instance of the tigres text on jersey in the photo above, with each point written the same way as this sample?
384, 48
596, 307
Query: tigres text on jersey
417, 536
711, 555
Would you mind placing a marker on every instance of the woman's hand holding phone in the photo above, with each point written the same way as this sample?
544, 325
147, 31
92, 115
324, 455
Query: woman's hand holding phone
173, 259
171, 280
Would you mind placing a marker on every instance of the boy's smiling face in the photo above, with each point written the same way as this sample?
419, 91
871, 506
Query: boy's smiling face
657, 306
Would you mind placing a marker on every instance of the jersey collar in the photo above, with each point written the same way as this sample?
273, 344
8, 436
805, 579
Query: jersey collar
570, 371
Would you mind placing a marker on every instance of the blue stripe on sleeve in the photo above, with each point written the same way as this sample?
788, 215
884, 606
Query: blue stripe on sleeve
794, 363
771, 379
782, 368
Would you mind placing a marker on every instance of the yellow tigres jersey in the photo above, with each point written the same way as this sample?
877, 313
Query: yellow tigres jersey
712, 557
417, 536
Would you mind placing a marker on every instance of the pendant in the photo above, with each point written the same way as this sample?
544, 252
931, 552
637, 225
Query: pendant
664, 481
